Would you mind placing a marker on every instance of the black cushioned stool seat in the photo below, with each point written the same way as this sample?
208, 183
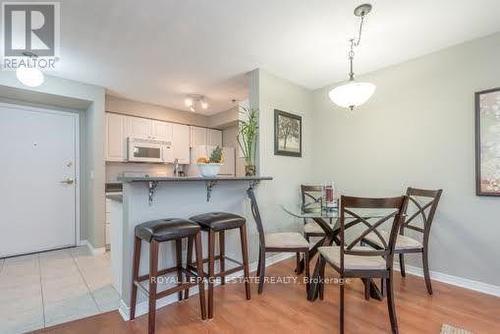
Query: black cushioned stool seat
155, 232
166, 229
217, 223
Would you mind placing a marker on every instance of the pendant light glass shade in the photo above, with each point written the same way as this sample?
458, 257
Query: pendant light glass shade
30, 76
352, 94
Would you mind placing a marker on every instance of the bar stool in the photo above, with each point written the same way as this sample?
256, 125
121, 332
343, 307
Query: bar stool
219, 222
156, 232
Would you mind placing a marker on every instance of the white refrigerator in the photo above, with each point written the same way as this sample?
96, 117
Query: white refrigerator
228, 168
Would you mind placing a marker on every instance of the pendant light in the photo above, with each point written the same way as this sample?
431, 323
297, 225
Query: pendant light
353, 93
27, 73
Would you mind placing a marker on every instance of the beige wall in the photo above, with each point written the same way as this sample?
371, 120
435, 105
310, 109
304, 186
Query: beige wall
268, 92
418, 130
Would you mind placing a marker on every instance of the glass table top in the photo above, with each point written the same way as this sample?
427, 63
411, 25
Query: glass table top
297, 211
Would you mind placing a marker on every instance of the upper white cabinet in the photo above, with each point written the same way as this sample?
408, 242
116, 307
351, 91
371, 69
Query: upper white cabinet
180, 143
204, 136
139, 127
181, 137
198, 136
116, 143
214, 137
162, 130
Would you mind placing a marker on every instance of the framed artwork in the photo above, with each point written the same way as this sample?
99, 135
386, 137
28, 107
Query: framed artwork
287, 134
488, 142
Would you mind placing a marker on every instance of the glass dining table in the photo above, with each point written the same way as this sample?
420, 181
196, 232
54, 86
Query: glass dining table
322, 218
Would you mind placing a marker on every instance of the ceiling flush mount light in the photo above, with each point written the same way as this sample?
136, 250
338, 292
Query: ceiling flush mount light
28, 74
353, 93
194, 100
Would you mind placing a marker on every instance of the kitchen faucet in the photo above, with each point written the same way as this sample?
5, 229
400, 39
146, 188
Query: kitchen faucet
176, 168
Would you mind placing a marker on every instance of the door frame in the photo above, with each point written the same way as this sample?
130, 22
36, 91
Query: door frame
76, 124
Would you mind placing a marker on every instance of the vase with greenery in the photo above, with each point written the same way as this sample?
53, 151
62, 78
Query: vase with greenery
247, 138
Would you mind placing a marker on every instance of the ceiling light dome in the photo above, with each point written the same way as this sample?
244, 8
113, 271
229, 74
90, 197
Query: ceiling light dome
30, 76
352, 94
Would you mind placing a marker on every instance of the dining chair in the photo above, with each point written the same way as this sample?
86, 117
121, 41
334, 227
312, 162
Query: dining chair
422, 204
311, 196
351, 260
278, 242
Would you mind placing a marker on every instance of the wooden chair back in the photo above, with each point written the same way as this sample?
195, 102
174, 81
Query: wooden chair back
425, 211
393, 209
311, 194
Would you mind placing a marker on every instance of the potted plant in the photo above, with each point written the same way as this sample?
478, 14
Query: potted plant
209, 167
247, 138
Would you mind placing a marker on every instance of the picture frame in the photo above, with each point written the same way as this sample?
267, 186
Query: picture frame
487, 135
287, 134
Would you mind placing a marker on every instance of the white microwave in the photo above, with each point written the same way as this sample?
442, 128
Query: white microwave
147, 150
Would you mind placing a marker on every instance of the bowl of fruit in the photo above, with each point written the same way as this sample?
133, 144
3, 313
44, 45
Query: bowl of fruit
209, 167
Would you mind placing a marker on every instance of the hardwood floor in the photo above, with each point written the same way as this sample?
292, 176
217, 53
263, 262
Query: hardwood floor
283, 308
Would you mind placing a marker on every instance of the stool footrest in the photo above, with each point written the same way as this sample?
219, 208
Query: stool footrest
162, 272
221, 273
167, 292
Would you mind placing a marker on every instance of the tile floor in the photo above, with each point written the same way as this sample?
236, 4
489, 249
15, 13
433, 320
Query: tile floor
42, 290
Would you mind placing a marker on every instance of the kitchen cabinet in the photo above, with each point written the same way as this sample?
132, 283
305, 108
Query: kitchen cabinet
180, 143
204, 136
116, 140
214, 137
139, 127
198, 136
162, 130
180, 137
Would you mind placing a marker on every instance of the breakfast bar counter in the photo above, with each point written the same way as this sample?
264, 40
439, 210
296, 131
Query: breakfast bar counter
148, 198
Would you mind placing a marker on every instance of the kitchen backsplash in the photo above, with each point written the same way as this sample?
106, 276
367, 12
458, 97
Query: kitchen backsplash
116, 169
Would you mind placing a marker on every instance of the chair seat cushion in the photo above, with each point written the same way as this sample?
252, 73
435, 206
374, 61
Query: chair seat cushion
218, 221
402, 242
166, 229
353, 262
285, 240
313, 227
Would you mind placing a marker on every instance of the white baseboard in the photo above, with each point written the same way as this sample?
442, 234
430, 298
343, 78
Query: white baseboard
466, 283
94, 251
142, 308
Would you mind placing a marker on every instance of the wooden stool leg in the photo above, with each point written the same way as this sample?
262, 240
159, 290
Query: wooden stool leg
222, 254
153, 276
244, 253
211, 273
199, 266
135, 276
178, 254
189, 261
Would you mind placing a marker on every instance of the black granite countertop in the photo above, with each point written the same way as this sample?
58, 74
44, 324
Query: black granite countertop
190, 178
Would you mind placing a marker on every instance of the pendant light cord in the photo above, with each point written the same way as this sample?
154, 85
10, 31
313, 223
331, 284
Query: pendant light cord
355, 43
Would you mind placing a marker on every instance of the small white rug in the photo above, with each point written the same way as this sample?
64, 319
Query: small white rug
448, 329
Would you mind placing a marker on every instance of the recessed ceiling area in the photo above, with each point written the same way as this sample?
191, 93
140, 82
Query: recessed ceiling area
158, 51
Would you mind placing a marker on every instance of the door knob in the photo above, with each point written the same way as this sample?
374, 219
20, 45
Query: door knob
68, 180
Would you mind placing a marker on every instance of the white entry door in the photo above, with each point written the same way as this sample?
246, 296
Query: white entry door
38, 175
